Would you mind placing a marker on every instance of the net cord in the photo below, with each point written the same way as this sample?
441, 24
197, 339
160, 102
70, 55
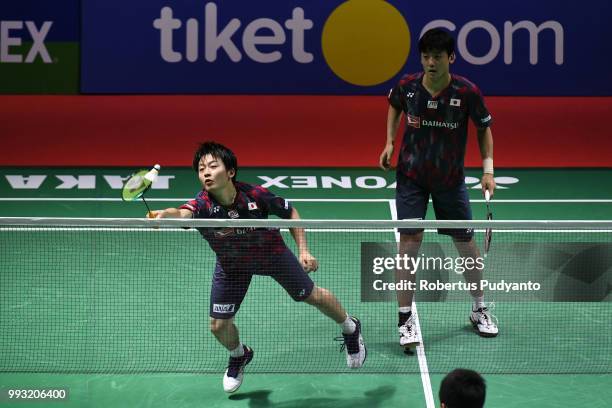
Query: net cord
603, 225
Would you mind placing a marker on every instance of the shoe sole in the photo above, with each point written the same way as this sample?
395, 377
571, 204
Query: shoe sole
365, 353
234, 390
365, 349
411, 346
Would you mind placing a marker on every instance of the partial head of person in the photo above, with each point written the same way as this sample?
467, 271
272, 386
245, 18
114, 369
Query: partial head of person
462, 388
216, 166
437, 49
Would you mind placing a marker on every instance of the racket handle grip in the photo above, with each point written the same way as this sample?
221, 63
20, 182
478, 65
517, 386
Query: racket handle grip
487, 195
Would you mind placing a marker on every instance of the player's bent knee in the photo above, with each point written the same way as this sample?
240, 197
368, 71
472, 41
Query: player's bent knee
219, 325
302, 294
317, 296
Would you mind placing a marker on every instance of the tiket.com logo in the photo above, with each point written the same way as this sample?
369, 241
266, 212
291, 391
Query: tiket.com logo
12, 35
354, 31
222, 37
364, 43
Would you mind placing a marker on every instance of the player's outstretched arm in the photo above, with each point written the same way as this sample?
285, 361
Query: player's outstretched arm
171, 213
309, 262
485, 142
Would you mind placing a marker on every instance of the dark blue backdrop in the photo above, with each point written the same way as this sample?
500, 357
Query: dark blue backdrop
120, 47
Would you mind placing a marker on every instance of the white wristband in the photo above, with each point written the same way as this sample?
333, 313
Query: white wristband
487, 165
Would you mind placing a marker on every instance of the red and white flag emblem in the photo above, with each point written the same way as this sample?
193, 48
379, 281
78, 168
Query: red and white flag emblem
413, 121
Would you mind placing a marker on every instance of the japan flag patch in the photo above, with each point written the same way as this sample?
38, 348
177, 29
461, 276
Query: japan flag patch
455, 102
252, 206
414, 121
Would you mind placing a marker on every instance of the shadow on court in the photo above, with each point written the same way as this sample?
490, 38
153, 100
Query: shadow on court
372, 398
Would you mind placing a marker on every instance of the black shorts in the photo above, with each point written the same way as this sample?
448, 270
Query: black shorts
411, 201
229, 287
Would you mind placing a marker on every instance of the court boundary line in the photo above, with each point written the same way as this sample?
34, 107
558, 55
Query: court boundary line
423, 367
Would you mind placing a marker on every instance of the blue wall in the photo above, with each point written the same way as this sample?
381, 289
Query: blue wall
279, 47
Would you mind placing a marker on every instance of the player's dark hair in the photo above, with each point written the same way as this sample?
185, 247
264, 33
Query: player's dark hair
463, 388
437, 39
219, 152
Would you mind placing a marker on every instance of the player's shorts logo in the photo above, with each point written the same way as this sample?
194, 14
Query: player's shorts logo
224, 308
414, 121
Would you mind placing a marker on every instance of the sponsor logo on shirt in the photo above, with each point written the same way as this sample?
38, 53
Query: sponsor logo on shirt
432, 104
252, 206
413, 121
224, 307
233, 214
435, 123
455, 102
224, 232
229, 231
409, 94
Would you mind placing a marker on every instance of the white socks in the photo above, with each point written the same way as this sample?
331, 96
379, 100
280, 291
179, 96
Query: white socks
238, 351
348, 325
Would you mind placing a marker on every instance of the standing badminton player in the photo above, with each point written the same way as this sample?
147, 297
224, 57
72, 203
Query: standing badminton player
437, 107
242, 252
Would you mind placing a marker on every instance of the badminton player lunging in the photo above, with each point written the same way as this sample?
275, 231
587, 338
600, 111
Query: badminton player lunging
242, 252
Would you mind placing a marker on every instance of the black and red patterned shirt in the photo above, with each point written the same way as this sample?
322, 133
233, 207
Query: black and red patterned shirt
436, 128
239, 246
